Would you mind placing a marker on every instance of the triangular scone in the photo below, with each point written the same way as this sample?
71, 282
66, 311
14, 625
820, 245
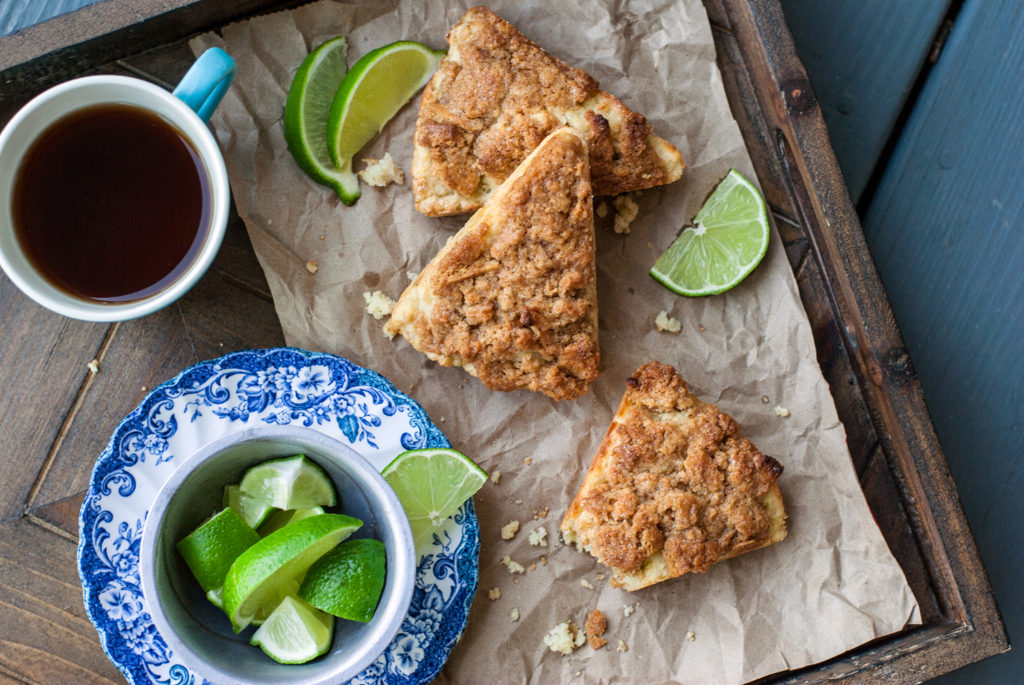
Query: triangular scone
512, 297
495, 96
674, 487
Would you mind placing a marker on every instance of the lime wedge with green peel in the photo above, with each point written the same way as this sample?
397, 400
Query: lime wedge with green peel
347, 581
728, 239
295, 632
305, 117
281, 518
372, 92
211, 548
289, 483
259, 575
252, 511
432, 484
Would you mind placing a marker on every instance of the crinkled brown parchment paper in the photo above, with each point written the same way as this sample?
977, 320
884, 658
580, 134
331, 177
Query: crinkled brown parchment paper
831, 585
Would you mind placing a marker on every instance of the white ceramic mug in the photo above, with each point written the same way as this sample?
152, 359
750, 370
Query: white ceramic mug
192, 102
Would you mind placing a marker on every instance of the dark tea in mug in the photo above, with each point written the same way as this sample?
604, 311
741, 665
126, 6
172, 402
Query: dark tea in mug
111, 203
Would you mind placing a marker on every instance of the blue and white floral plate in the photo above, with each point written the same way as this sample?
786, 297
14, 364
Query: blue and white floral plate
213, 399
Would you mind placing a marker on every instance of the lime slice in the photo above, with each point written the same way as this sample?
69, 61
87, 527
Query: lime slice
257, 578
280, 519
295, 632
305, 117
289, 483
432, 484
347, 581
371, 93
252, 511
728, 239
211, 548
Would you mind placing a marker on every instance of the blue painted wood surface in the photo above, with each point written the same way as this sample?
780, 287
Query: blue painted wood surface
946, 229
863, 57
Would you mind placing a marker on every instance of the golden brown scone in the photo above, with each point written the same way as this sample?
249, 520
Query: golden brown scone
674, 487
512, 297
495, 96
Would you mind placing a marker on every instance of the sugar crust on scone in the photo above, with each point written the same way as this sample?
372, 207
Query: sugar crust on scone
495, 96
512, 297
674, 487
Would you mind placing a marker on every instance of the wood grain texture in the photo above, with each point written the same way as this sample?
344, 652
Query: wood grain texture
945, 230
863, 57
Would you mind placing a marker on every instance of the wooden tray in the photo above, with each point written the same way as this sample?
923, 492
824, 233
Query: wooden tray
54, 434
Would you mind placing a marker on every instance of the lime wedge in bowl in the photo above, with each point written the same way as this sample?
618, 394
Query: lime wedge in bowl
347, 581
305, 117
372, 92
211, 548
295, 632
728, 240
259, 576
289, 483
431, 485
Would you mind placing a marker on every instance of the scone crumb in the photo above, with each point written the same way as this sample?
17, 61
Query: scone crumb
595, 626
509, 530
518, 501
312, 267
781, 411
543, 561
539, 537
94, 366
600, 576
495, 476
513, 566
494, 593
622, 647
528, 461
664, 323
691, 636
378, 305
514, 615
602, 209
586, 583
564, 638
380, 173
626, 210
533, 566
628, 610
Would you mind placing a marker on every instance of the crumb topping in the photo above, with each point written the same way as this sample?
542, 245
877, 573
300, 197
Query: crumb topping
509, 530
595, 626
680, 480
497, 94
516, 297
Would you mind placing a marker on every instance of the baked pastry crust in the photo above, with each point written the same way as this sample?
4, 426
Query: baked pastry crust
512, 297
674, 487
495, 96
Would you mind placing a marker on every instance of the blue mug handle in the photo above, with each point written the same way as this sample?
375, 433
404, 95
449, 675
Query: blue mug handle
206, 81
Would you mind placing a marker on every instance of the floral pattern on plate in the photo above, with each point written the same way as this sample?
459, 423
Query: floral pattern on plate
213, 399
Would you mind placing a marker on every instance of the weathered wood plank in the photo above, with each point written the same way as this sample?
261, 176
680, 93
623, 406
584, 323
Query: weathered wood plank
863, 58
138, 355
45, 636
43, 364
944, 229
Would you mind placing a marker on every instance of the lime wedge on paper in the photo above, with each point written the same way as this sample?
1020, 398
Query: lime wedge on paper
305, 117
289, 483
728, 240
372, 93
295, 632
259, 576
432, 484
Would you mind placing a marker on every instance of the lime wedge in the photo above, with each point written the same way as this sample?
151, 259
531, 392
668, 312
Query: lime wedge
432, 484
305, 117
211, 548
289, 483
280, 519
252, 511
295, 632
371, 93
259, 575
347, 581
216, 597
728, 239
